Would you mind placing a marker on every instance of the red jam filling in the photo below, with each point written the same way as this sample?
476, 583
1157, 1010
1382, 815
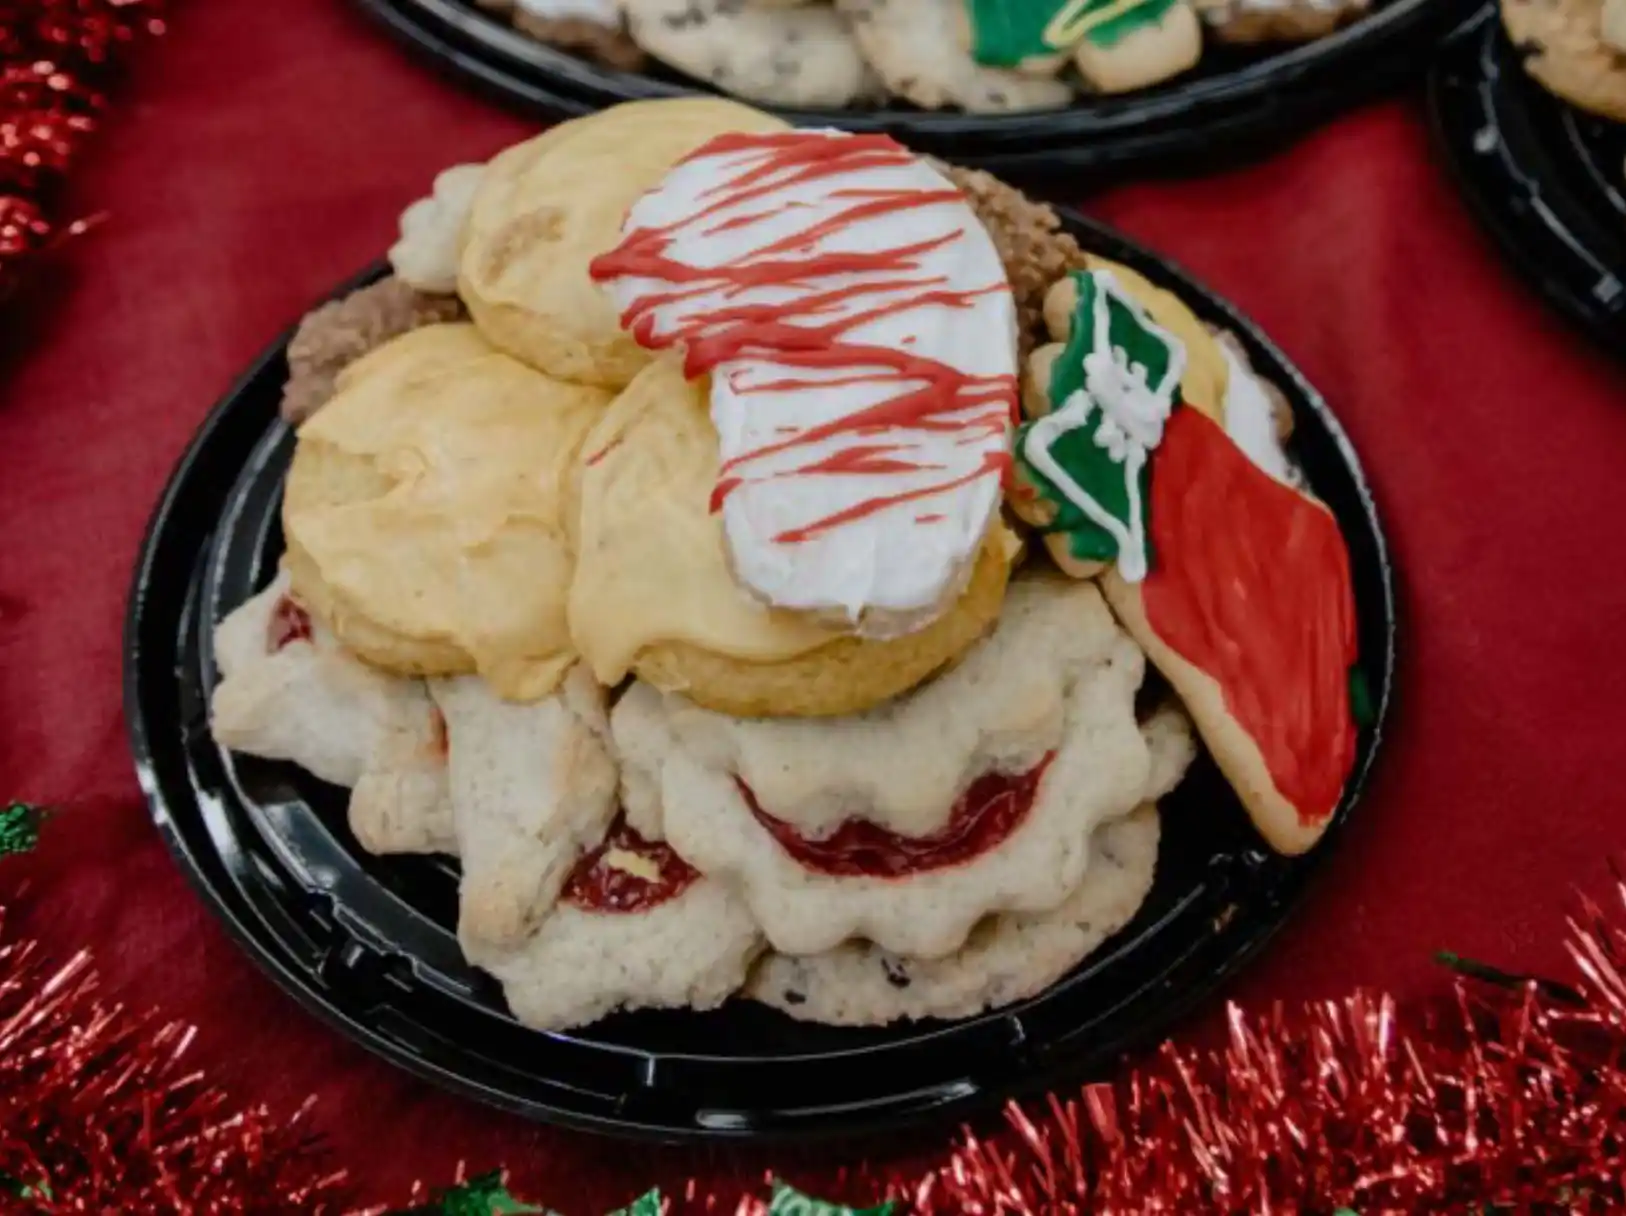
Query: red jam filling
289, 624
597, 886
985, 816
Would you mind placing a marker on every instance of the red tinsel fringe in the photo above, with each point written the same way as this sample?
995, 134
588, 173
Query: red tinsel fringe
56, 59
98, 1112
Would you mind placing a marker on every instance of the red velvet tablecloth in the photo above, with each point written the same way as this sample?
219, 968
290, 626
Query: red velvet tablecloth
262, 152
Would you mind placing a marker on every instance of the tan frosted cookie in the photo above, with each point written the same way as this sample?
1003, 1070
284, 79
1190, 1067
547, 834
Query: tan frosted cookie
1006, 958
425, 255
636, 928
1253, 21
1566, 52
290, 692
532, 789
425, 511
549, 206
652, 592
332, 337
1016, 842
797, 57
1169, 41
917, 47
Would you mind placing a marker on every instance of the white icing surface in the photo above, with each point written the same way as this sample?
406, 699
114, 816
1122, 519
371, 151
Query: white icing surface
1250, 420
600, 12
1131, 415
906, 558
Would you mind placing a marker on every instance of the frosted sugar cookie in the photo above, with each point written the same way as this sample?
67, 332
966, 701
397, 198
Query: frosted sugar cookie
425, 510
1172, 499
859, 334
652, 594
546, 207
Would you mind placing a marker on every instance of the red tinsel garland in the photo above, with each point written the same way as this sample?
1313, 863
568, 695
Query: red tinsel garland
56, 58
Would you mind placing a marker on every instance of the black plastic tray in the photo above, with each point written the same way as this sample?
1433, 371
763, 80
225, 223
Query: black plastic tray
1240, 102
368, 944
1547, 181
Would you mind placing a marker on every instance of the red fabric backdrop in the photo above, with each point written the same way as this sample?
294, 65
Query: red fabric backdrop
263, 151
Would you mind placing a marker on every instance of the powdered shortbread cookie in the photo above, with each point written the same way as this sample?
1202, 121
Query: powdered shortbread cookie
916, 47
997, 859
636, 928
1568, 53
532, 788
803, 58
290, 692
1252, 21
1006, 959
425, 256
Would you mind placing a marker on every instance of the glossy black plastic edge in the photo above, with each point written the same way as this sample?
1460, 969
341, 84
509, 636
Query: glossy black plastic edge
1040, 1068
1188, 125
1570, 250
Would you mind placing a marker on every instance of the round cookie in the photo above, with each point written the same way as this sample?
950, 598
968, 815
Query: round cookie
289, 692
1246, 22
1568, 54
797, 57
652, 593
425, 510
547, 207
1006, 959
1011, 840
1157, 40
917, 47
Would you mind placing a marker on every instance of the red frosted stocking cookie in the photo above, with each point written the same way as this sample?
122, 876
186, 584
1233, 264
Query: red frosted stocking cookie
1234, 581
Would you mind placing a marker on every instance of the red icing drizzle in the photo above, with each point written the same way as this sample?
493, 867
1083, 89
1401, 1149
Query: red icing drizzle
597, 886
1251, 585
985, 816
925, 394
289, 623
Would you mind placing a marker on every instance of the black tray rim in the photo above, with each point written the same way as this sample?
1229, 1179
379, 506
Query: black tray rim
1533, 240
1289, 88
899, 1113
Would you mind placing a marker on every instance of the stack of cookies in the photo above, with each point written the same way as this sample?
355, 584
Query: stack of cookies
775, 565
982, 56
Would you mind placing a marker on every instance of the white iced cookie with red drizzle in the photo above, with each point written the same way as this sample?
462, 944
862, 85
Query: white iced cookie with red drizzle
635, 928
532, 790
860, 334
290, 692
1009, 839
